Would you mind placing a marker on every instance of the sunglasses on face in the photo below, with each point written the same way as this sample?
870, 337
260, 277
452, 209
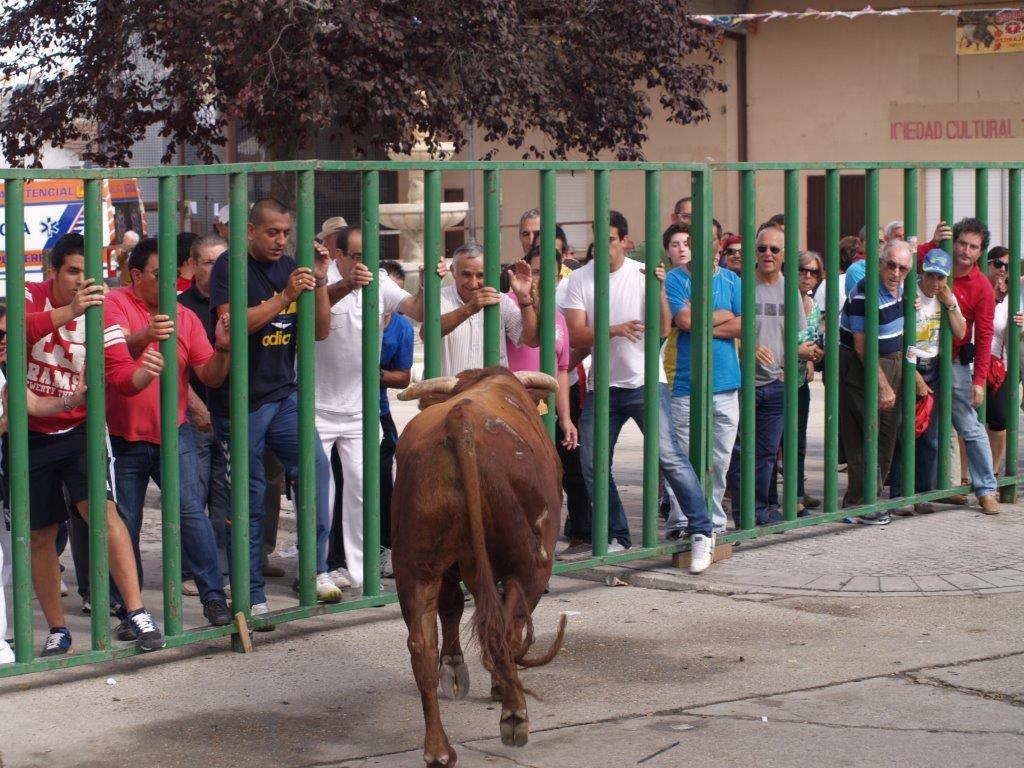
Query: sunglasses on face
766, 248
733, 251
810, 271
1000, 264
897, 267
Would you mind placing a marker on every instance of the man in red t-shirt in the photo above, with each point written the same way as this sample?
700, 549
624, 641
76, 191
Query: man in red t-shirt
977, 303
58, 451
134, 421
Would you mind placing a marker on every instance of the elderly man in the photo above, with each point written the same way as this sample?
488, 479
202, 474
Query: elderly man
462, 322
894, 264
894, 230
682, 213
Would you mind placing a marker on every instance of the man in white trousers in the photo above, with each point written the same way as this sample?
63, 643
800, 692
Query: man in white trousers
339, 377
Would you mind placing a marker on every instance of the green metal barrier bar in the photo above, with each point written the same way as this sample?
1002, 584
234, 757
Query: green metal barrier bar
306, 501
548, 267
17, 419
652, 360
95, 423
601, 395
1009, 492
431, 281
792, 362
238, 303
871, 372
981, 213
702, 267
492, 265
908, 441
371, 387
748, 350
944, 401
170, 490
831, 367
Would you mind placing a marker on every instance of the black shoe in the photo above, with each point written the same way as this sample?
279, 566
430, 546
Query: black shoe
217, 613
141, 627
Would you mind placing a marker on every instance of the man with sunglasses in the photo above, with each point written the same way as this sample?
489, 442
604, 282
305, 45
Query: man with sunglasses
894, 265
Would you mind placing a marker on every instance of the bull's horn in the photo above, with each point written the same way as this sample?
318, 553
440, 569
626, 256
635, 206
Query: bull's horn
443, 385
535, 380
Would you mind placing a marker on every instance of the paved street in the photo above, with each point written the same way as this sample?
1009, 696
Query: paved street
830, 645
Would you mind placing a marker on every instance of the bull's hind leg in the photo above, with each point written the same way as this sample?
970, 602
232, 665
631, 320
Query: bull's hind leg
419, 608
450, 605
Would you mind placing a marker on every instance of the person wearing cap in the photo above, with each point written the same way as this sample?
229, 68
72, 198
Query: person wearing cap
935, 298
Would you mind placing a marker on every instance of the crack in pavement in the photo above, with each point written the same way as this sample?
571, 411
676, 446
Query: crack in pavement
488, 753
935, 682
854, 727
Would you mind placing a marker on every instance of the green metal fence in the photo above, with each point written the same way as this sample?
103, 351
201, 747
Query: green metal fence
702, 178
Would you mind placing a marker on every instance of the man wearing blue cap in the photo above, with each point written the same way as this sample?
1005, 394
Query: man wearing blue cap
935, 298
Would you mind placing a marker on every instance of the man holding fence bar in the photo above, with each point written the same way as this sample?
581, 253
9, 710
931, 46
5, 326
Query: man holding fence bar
770, 321
58, 450
135, 425
275, 283
894, 264
626, 307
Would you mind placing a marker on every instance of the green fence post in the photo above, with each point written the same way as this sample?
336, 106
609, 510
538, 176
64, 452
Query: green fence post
600, 373
1008, 493
702, 267
748, 349
170, 491
371, 386
17, 419
909, 438
944, 401
981, 213
306, 501
96, 422
238, 305
548, 266
431, 281
652, 359
792, 363
492, 265
831, 368
871, 338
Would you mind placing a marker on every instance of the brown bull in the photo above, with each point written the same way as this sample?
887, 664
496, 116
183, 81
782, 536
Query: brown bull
477, 498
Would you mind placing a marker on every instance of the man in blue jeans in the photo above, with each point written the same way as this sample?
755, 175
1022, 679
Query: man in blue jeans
626, 391
275, 283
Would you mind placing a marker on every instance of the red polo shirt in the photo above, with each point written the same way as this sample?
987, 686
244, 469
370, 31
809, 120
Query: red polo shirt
137, 417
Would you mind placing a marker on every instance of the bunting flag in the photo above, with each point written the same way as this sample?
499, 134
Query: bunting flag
735, 20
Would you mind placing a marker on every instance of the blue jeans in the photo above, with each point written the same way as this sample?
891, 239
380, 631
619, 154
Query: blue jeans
768, 423
213, 488
135, 463
972, 432
276, 425
625, 404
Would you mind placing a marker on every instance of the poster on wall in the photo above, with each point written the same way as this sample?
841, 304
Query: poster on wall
990, 32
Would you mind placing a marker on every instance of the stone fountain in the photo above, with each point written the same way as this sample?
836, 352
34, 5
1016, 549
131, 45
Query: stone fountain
407, 217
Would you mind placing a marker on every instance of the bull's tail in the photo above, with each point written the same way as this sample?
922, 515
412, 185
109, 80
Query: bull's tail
540, 661
492, 629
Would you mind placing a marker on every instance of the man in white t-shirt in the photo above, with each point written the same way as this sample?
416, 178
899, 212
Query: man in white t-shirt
462, 322
339, 380
626, 389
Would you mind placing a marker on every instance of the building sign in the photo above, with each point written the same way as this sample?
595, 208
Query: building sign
990, 32
961, 121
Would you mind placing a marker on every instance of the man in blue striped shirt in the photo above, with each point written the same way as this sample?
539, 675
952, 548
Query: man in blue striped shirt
893, 266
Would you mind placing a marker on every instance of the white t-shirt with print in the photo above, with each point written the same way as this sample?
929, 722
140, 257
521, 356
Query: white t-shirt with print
929, 319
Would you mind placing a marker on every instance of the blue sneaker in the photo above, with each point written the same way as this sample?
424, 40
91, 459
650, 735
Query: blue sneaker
58, 642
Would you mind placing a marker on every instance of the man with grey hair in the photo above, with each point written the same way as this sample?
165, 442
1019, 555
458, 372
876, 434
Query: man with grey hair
894, 231
895, 262
462, 322
529, 229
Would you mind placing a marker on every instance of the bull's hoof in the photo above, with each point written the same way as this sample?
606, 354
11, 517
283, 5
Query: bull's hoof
515, 728
497, 691
441, 761
454, 677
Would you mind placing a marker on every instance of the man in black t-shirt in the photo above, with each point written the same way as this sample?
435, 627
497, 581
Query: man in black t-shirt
275, 283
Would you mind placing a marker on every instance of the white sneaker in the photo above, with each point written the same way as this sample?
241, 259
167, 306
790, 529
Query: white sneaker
326, 589
63, 589
702, 552
340, 578
260, 609
385, 563
614, 547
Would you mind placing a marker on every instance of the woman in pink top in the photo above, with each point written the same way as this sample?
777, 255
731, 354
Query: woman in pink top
524, 358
